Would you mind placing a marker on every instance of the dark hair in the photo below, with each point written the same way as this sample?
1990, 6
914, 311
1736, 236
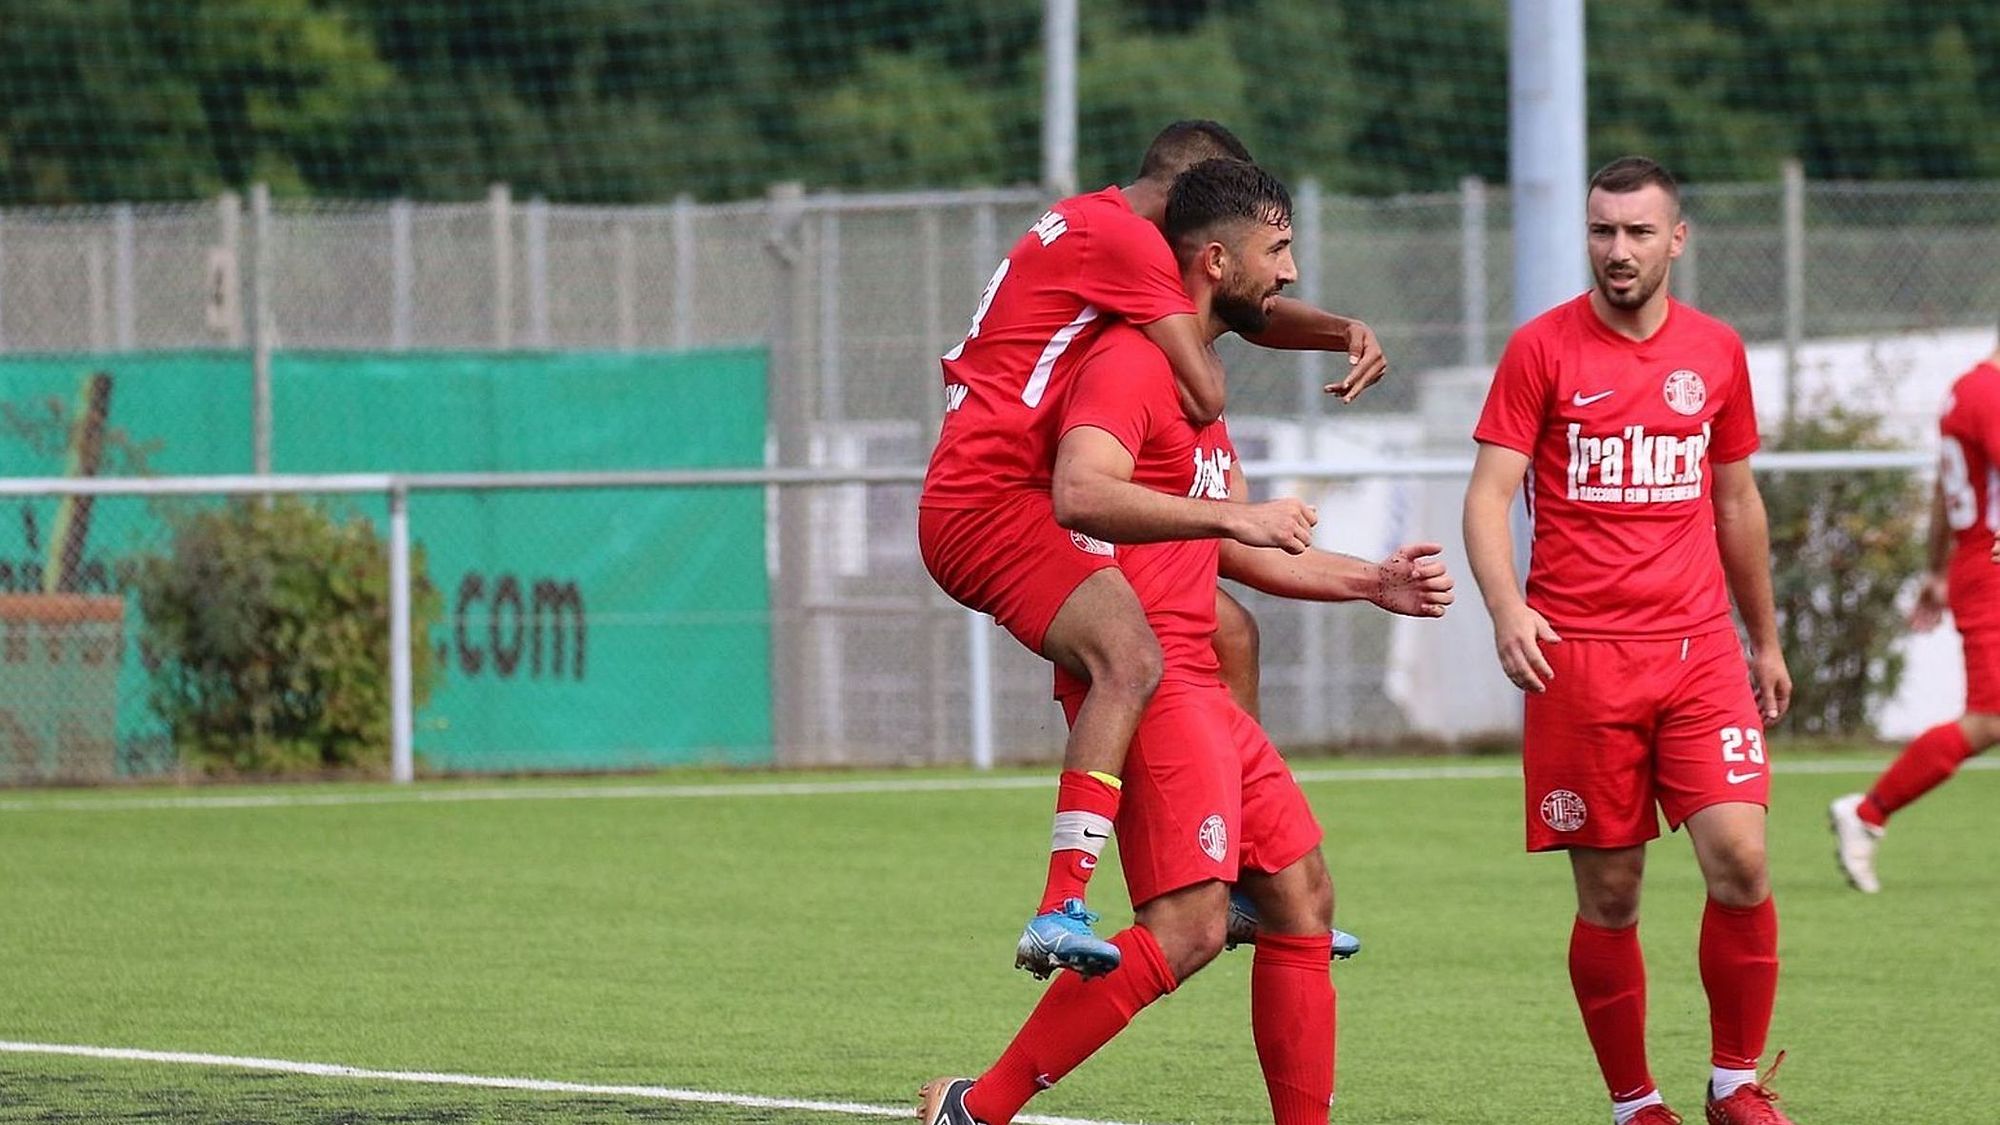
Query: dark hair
1184, 144
1630, 173
1220, 191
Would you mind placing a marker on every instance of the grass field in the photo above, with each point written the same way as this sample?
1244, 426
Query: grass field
823, 938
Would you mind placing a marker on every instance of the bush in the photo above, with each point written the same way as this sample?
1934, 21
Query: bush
1843, 547
266, 628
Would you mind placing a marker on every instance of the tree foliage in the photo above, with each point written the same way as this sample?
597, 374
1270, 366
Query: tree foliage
621, 100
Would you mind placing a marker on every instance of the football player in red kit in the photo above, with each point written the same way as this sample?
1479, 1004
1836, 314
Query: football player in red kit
1628, 415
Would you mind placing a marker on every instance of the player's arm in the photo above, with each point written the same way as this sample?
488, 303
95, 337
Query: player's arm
1298, 326
1197, 369
1093, 493
1412, 581
1933, 594
1518, 631
1744, 536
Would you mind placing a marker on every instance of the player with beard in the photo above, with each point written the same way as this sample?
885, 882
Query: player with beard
985, 526
1209, 799
1629, 414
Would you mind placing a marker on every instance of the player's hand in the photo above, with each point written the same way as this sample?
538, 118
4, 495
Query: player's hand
1931, 603
1771, 682
1285, 523
1518, 635
1365, 363
1413, 582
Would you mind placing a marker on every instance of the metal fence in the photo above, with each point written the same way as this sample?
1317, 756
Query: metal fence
855, 296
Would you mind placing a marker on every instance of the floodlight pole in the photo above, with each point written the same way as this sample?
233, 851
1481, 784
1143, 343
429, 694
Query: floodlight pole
1545, 152
1059, 34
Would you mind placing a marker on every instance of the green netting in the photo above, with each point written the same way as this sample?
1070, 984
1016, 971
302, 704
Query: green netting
620, 100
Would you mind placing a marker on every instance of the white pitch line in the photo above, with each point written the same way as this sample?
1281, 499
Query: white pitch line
538, 1085
424, 795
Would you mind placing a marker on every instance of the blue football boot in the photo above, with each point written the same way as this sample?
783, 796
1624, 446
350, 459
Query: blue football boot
1062, 939
1243, 928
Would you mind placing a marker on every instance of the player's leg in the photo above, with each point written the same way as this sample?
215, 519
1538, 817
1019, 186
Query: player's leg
1061, 596
1587, 759
1930, 760
1100, 636
1178, 874
1174, 936
1714, 778
1236, 648
1292, 998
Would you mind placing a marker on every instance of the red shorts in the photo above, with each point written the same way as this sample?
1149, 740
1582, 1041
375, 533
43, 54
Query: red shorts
1206, 795
1628, 724
1982, 670
1011, 560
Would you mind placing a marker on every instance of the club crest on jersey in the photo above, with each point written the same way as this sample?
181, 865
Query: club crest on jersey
1211, 475
1685, 392
1563, 810
1091, 546
1213, 837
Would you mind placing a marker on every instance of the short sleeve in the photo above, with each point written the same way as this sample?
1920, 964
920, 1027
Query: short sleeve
1118, 389
1736, 420
1127, 269
1517, 402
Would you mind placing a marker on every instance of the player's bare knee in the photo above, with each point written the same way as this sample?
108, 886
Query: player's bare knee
1129, 663
1982, 730
1738, 874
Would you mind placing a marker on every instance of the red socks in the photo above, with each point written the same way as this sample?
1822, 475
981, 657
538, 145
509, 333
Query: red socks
1739, 970
1608, 971
1086, 806
1292, 1019
1923, 765
1074, 1018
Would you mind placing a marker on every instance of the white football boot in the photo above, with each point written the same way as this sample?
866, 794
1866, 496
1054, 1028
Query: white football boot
1857, 842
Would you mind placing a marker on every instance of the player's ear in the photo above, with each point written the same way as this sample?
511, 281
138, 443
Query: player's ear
1214, 260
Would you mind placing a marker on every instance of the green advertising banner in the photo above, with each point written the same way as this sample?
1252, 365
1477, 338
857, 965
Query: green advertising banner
582, 629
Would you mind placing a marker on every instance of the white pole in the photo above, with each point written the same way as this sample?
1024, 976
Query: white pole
1795, 280
402, 276
1059, 33
683, 293
123, 312
627, 269
1546, 153
93, 265
500, 209
261, 323
229, 217
830, 396
1310, 249
979, 653
537, 219
978, 631
402, 758
1472, 268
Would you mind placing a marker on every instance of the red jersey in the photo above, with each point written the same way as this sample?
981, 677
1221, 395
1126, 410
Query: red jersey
1088, 258
1969, 472
1125, 387
1620, 435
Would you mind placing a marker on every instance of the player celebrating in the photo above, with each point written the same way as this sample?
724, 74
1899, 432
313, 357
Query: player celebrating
985, 525
1633, 414
1210, 799
1965, 513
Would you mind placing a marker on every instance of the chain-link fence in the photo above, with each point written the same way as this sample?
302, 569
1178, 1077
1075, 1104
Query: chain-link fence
552, 339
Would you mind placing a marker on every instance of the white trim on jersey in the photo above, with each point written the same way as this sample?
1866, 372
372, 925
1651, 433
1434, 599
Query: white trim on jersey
1038, 383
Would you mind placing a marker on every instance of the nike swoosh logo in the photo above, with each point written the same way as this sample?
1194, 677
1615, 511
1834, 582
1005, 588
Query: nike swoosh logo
1096, 835
1581, 399
1735, 778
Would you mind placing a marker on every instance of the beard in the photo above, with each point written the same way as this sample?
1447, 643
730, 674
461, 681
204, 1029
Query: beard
1242, 312
1644, 285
